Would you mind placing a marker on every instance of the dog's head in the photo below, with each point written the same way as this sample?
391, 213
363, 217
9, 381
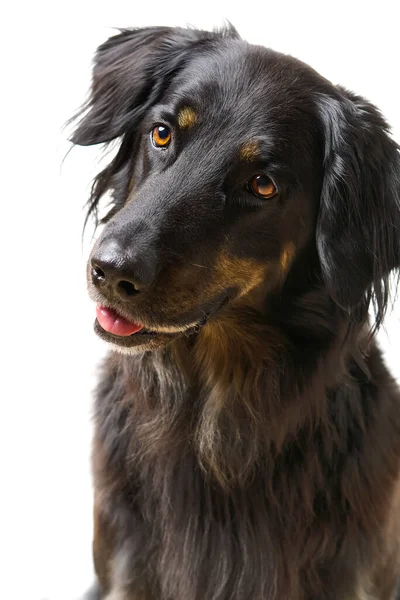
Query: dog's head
235, 163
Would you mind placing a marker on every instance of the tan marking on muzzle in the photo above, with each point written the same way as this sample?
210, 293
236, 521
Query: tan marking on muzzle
242, 273
249, 151
187, 117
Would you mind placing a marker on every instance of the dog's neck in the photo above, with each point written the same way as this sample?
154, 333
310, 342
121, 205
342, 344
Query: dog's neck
245, 385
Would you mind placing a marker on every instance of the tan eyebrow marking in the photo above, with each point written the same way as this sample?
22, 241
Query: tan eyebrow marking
249, 151
187, 117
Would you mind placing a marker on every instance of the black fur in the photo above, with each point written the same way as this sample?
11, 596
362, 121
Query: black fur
247, 439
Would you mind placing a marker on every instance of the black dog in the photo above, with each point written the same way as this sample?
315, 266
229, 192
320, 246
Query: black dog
247, 439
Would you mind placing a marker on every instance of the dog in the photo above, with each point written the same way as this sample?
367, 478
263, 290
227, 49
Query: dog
247, 430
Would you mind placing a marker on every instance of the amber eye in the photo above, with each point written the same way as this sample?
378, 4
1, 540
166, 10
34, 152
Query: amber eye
263, 186
161, 136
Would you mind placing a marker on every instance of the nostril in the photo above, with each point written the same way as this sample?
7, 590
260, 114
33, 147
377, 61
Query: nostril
98, 274
127, 289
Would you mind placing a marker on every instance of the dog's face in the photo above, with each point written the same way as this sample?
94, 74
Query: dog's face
226, 150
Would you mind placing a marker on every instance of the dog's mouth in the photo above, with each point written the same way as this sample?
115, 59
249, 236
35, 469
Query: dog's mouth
114, 328
114, 323
111, 326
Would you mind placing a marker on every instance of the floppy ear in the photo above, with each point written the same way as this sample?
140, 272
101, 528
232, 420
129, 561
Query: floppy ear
131, 71
358, 229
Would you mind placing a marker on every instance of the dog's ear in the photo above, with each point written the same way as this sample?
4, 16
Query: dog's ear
131, 71
358, 229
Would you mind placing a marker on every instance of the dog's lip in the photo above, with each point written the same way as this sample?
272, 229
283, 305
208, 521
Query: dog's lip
138, 338
139, 334
111, 321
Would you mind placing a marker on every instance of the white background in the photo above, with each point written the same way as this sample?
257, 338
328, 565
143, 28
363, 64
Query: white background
49, 352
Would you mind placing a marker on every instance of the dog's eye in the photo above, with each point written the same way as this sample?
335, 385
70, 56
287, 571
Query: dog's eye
161, 136
263, 186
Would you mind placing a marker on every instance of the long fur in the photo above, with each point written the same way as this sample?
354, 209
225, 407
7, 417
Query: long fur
257, 458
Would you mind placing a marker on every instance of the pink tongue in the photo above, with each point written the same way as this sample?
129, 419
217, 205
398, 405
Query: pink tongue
114, 323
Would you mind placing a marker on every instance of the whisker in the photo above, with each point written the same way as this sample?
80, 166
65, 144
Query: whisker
171, 251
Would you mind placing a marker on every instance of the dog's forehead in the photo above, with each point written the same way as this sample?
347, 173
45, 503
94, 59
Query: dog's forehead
246, 86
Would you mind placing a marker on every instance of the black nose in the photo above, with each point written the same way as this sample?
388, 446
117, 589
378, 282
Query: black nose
121, 273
